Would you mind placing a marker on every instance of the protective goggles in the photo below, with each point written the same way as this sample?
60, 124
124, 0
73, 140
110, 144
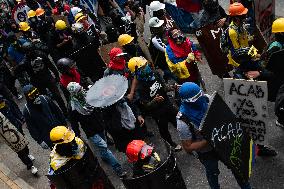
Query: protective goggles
33, 94
194, 98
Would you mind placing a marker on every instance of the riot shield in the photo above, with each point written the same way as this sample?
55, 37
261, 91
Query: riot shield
228, 138
167, 176
275, 65
86, 173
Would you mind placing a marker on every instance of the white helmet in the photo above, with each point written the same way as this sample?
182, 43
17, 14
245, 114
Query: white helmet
77, 28
155, 22
156, 5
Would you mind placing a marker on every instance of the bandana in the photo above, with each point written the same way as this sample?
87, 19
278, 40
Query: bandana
78, 101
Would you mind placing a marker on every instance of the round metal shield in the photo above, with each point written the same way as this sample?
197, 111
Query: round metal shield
107, 91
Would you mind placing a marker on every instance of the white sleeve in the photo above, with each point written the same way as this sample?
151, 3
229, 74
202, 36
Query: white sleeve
158, 44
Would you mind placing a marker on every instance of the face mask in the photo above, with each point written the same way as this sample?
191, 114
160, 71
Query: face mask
145, 74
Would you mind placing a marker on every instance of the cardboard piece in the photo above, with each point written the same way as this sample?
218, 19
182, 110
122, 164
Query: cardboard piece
248, 101
228, 138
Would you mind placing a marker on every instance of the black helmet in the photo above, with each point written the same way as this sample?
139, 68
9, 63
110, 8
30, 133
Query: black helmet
64, 64
242, 55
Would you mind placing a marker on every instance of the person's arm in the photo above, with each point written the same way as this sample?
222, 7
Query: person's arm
32, 127
56, 110
159, 45
186, 138
134, 84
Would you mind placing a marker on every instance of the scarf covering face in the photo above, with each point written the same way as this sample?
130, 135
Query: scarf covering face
78, 101
182, 50
145, 74
116, 63
72, 76
195, 111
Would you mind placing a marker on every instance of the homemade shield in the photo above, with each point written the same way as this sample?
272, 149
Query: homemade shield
107, 91
167, 176
230, 141
86, 173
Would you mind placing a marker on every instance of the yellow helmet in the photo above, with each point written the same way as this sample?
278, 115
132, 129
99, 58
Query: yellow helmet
61, 134
31, 13
60, 25
24, 26
79, 16
135, 63
278, 25
124, 39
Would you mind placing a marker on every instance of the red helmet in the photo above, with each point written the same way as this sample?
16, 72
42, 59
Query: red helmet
136, 148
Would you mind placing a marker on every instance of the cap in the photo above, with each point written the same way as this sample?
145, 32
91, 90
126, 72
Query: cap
155, 22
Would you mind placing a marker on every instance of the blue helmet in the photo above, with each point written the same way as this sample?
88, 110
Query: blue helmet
190, 92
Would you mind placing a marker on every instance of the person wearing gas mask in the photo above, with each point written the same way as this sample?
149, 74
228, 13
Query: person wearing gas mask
39, 68
41, 115
191, 112
182, 57
143, 156
91, 122
12, 120
152, 95
86, 53
238, 34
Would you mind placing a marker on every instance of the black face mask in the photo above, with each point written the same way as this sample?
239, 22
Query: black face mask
130, 49
159, 14
279, 37
67, 149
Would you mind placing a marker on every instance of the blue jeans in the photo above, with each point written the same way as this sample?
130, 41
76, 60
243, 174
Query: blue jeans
210, 162
99, 140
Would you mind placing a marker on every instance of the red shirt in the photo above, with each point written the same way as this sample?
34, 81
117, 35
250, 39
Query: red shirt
189, 5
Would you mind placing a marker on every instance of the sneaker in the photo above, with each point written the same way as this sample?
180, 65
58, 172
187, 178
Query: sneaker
34, 170
19, 97
32, 158
279, 124
178, 148
266, 151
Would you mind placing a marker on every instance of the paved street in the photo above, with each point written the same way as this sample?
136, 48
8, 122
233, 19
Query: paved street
268, 173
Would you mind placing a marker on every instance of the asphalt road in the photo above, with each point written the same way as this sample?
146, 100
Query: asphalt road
267, 173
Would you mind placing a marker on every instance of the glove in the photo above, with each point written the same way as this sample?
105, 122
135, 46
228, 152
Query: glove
44, 145
190, 58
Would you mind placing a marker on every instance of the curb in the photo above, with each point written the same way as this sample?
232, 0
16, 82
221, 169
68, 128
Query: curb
11, 179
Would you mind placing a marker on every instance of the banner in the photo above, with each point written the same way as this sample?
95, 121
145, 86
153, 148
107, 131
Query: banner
209, 40
182, 18
248, 101
232, 144
91, 5
12, 136
19, 13
264, 16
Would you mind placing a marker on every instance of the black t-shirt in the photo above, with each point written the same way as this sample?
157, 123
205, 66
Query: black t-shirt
148, 90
